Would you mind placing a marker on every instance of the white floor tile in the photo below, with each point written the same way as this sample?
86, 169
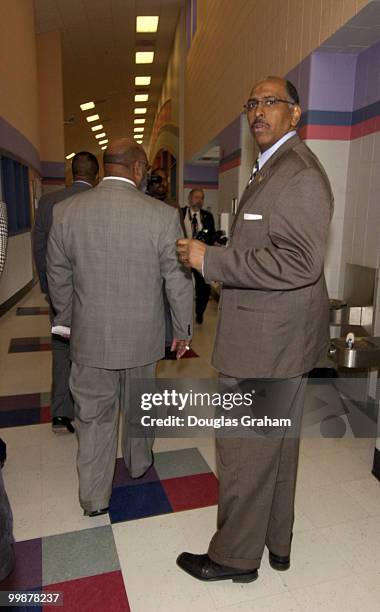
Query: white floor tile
345, 595
325, 506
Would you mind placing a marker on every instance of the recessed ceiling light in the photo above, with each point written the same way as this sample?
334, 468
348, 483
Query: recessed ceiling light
142, 80
141, 97
87, 106
137, 136
92, 118
96, 128
138, 129
146, 24
100, 135
144, 57
102, 148
70, 156
139, 141
140, 111
139, 121
103, 141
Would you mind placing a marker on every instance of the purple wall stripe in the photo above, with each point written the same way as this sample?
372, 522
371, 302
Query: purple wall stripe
53, 170
12, 141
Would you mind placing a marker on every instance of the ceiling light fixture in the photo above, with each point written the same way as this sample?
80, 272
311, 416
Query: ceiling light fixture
96, 128
101, 142
92, 118
144, 57
138, 129
102, 148
70, 156
147, 24
142, 80
140, 111
100, 135
87, 106
139, 121
141, 97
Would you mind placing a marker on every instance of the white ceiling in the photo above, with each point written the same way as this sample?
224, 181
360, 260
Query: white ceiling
99, 42
361, 32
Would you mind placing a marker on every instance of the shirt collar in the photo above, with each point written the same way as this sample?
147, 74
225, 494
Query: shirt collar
84, 182
263, 157
119, 178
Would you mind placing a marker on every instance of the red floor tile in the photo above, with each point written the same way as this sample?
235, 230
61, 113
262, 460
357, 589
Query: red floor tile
189, 492
102, 593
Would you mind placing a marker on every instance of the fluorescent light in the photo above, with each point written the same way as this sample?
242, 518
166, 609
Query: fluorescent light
139, 141
140, 111
103, 141
138, 129
70, 156
146, 24
96, 128
92, 118
142, 80
87, 106
144, 57
100, 135
141, 97
102, 148
139, 121
137, 136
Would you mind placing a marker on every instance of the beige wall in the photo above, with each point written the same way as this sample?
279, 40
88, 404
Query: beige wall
50, 90
18, 68
238, 42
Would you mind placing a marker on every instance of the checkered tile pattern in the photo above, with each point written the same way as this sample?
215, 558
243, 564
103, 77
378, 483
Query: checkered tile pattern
84, 565
30, 409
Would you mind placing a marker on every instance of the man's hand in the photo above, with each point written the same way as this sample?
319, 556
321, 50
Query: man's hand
191, 253
181, 346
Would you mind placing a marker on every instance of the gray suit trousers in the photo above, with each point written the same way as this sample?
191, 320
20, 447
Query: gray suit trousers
98, 394
257, 482
6, 535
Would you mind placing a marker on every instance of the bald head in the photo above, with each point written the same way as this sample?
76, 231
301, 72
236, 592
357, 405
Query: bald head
125, 158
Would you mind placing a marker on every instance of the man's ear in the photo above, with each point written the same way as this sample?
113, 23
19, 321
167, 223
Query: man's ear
296, 115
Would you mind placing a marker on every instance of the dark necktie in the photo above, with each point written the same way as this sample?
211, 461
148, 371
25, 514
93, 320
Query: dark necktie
254, 171
194, 225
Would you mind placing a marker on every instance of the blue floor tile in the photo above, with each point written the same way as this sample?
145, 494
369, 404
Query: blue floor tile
138, 501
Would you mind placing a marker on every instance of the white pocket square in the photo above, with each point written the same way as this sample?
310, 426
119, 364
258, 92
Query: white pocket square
252, 217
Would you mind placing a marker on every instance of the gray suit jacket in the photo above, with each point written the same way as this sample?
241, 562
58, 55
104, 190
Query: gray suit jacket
274, 309
42, 225
109, 251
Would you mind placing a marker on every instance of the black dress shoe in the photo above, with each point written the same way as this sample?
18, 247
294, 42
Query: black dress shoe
279, 563
203, 568
62, 425
96, 512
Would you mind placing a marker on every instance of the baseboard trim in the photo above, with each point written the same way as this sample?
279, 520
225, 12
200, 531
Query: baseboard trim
376, 464
10, 302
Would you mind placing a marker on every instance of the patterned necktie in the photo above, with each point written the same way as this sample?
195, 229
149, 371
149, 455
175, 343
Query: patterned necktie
194, 225
254, 171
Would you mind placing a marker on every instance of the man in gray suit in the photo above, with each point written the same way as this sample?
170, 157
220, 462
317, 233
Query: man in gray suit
273, 325
85, 169
110, 249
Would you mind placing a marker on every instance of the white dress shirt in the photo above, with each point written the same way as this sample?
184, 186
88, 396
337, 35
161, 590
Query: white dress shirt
119, 178
188, 224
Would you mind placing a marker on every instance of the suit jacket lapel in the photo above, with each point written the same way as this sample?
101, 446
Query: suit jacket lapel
263, 174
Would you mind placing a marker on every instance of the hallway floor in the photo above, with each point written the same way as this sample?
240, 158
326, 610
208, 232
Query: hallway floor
126, 560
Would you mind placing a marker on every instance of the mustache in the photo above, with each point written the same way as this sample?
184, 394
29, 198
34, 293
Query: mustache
259, 122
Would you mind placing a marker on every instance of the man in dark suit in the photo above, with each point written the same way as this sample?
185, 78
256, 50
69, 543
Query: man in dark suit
273, 328
199, 224
85, 170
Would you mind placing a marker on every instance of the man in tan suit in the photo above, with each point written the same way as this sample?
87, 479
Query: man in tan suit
272, 329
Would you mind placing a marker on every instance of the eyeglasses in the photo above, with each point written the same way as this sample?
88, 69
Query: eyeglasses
267, 102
